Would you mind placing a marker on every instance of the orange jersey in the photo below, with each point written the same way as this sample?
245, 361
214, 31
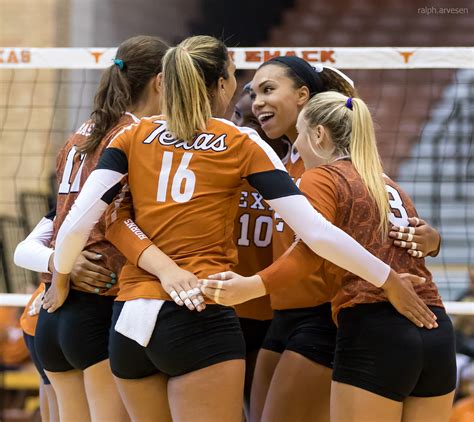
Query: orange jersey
338, 192
13, 350
252, 236
313, 290
28, 322
72, 170
186, 195
283, 236
121, 229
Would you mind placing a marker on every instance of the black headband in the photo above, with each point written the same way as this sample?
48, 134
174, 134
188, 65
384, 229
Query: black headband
304, 71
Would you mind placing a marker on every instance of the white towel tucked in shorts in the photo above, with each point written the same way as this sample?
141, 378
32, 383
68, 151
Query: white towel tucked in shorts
137, 319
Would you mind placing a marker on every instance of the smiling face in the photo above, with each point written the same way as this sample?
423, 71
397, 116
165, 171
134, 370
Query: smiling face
277, 102
243, 116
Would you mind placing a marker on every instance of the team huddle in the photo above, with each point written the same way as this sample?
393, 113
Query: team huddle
201, 269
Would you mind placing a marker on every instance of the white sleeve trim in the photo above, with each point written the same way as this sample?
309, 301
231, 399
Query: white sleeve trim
328, 241
121, 131
34, 252
254, 136
83, 216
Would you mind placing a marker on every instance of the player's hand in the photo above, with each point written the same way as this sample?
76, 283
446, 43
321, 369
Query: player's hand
35, 306
400, 292
229, 288
57, 293
183, 288
419, 238
89, 276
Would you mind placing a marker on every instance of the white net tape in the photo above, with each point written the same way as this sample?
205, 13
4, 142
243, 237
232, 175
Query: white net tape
252, 57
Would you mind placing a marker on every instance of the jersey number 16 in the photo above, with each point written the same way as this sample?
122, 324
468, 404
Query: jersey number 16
182, 175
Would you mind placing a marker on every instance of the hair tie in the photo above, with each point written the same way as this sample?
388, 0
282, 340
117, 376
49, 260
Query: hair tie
318, 68
349, 103
119, 63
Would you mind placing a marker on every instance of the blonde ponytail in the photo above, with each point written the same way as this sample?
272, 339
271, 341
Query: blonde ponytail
190, 71
366, 159
349, 122
185, 96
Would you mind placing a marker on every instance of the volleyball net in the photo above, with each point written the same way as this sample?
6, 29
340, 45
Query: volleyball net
422, 101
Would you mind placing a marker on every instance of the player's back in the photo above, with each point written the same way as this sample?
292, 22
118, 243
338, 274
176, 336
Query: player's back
357, 214
72, 170
186, 194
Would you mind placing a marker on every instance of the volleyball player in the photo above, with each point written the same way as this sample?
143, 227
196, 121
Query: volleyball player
385, 367
413, 376
301, 332
255, 249
35, 254
72, 344
302, 335
184, 171
252, 236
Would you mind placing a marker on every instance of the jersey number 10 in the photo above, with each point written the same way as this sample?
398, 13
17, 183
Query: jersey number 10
182, 175
263, 226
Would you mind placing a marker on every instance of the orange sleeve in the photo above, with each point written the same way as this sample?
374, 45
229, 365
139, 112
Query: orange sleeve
296, 264
319, 187
13, 349
122, 231
123, 138
28, 322
299, 261
255, 155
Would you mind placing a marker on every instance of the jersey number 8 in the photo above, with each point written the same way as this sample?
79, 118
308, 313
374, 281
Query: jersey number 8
398, 215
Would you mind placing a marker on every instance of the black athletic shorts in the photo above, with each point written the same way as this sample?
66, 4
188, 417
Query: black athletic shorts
254, 332
381, 351
182, 341
75, 336
310, 332
30, 343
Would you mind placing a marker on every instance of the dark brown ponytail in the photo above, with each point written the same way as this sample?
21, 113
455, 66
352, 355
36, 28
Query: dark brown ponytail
334, 81
138, 59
